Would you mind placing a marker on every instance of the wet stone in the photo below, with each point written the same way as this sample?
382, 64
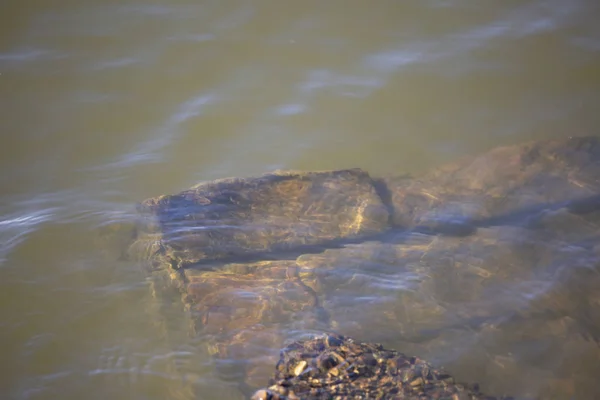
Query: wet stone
363, 370
242, 312
428, 282
238, 217
502, 185
246, 356
269, 293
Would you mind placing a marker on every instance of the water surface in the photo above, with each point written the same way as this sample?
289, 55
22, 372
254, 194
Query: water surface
106, 103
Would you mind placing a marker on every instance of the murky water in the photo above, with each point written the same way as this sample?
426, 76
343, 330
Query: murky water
103, 104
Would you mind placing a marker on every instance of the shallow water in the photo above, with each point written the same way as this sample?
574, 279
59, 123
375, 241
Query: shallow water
106, 103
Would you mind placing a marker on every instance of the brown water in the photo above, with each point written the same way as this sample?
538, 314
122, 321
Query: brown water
104, 103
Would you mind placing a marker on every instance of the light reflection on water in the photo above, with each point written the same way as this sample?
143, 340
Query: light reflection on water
103, 105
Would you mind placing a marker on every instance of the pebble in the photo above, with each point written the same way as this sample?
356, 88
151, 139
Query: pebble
338, 367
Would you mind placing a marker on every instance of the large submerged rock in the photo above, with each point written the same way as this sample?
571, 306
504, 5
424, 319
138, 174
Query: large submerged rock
496, 251
251, 216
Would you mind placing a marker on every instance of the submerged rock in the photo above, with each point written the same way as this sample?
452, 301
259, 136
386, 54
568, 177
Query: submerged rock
506, 184
251, 216
259, 261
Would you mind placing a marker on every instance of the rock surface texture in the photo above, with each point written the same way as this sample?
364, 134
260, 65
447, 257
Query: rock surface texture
280, 211
467, 265
336, 367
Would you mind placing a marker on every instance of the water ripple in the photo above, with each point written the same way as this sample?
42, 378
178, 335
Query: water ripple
116, 63
30, 55
201, 37
350, 85
390, 61
190, 108
526, 21
152, 150
15, 228
290, 109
